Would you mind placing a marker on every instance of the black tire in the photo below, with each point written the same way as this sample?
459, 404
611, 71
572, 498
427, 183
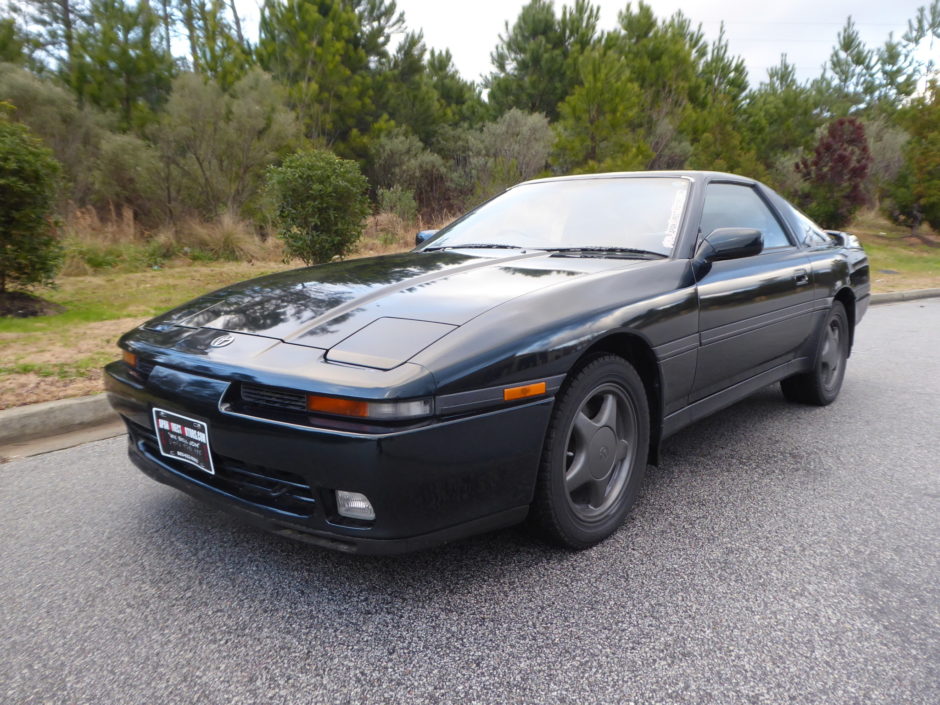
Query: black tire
821, 385
601, 419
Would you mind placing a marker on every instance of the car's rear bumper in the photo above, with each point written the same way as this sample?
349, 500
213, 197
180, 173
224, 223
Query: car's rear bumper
428, 485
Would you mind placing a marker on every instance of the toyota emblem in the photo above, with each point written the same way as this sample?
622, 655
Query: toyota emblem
222, 341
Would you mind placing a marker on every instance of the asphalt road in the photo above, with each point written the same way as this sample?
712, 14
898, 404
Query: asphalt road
780, 554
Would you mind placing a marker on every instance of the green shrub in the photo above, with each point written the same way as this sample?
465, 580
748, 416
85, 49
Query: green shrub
399, 201
30, 252
321, 204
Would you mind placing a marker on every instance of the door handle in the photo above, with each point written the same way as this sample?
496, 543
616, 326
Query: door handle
801, 277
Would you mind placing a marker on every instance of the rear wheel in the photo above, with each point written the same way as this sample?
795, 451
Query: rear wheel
821, 385
595, 454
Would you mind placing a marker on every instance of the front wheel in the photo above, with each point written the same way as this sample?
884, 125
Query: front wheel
821, 385
594, 455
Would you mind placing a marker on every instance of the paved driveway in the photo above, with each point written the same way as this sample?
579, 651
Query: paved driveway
780, 554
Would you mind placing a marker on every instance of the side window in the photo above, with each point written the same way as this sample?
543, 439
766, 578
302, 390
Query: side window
734, 206
811, 233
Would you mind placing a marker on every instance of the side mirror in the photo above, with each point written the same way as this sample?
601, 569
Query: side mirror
726, 243
424, 235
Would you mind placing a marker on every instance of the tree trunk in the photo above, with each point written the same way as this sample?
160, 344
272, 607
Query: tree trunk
68, 35
189, 21
238, 23
166, 26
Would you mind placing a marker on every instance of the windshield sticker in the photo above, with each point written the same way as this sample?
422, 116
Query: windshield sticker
672, 226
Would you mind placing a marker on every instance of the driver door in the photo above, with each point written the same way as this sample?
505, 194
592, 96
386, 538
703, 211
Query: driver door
754, 312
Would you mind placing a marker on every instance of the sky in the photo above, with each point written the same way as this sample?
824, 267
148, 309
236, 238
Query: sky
759, 31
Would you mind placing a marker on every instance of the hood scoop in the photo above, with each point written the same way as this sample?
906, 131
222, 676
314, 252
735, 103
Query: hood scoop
387, 342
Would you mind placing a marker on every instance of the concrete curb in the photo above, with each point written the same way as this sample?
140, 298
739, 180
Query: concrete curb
51, 418
54, 417
904, 296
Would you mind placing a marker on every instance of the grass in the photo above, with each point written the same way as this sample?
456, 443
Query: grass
59, 356
898, 260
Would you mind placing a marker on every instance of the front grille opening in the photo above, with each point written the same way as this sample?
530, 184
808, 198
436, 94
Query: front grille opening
274, 397
275, 489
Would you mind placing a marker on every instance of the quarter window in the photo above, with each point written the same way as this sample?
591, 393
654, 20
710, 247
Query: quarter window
811, 233
735, 206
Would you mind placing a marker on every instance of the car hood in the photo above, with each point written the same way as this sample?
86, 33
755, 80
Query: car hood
405, 300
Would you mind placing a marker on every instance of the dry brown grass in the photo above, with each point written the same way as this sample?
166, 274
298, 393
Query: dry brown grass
386, 233
226, 238
116, 242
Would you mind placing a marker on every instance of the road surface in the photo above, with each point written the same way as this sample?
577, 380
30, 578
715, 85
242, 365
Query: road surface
779, 554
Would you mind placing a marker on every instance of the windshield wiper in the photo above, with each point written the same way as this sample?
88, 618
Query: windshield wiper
596, 251
476, 245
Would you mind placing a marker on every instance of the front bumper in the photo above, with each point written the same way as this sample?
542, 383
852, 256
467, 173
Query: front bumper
428, 485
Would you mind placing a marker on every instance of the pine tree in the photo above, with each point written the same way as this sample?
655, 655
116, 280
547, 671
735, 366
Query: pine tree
123, 67
537, 59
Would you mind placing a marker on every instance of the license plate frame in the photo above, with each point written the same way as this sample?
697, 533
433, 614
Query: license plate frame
183, 438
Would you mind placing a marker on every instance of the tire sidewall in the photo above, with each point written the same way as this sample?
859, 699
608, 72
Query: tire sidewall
836, 312
608, 369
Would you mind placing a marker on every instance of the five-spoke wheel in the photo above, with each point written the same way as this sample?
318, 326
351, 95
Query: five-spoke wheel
821, 385
595, 453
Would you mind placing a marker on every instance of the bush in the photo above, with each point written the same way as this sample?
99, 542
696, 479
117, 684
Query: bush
399, 201
73, 133
127, 173
321, 204
916, 190
30, 253
835, 176
400, 159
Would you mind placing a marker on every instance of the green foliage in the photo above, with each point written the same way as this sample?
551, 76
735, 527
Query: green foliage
407, 92
128, 173
721, 145
120, 67
73, 133
13, 44
915, 193
519, 141
537, 59
595, 130
461, 99
398, 201
215, 146
779, 117
174, 138
314, 48
30, 253
321, 204
835, 176
217, 49
400, 159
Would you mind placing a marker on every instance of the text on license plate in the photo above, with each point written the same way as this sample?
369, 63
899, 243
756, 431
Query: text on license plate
183, 438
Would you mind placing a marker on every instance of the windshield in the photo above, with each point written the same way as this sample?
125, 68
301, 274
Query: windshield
627, 213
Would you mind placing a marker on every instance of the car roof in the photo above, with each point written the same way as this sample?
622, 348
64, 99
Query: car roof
687, 174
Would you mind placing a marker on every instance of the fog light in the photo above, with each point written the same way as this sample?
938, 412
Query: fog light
354, 505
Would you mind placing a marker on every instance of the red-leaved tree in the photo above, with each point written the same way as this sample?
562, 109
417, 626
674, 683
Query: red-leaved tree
834, 179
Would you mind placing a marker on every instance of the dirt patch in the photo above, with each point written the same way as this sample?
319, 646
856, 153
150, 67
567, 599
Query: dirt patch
57, 364
19, 304
19, 389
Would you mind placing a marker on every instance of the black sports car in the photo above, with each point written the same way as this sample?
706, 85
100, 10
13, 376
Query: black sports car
526, 360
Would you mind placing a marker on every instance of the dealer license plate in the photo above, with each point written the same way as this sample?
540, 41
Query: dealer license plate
183, 438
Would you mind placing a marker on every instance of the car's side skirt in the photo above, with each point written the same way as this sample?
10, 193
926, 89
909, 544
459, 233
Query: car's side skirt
715, 402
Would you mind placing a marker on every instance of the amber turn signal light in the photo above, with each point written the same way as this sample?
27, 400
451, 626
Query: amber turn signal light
523, 392
334, 405
130, 359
